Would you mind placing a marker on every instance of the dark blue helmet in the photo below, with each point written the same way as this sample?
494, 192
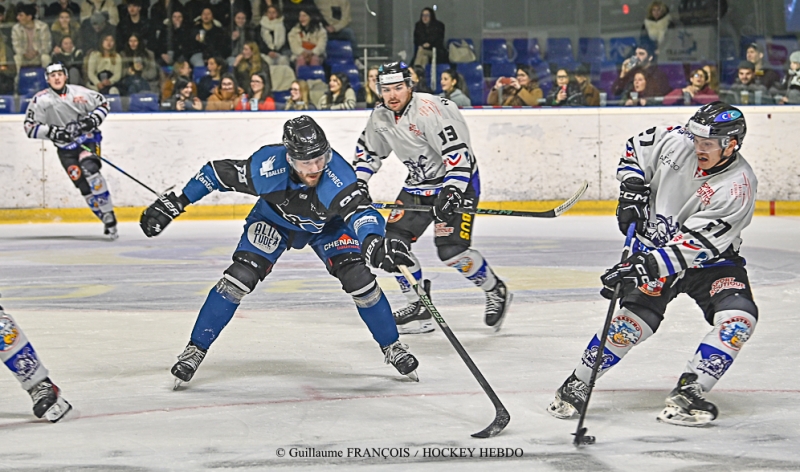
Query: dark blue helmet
304, 139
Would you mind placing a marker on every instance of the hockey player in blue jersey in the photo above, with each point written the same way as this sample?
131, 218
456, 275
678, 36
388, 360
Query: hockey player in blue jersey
308, 196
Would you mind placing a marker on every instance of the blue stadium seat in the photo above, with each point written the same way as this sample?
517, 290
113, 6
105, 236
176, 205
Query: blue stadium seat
472, 71
591, 50
198, 73
31, 80
544, 76
281, 96
621, 48
338, 52
727, 49
6, 104
559, 50
507, 69
24, 101
439, 69
311, 72
527, 51
115, 103
144, 102
675, 73
608, 75
494, 51
351, 71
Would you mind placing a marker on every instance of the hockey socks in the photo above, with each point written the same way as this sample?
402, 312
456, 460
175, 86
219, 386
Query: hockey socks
405, 285
215, 314
18, 354
474, 267
374, 309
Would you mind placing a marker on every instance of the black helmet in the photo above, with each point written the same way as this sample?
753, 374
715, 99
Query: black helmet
719, 120
304, 139
55, 67
394, 72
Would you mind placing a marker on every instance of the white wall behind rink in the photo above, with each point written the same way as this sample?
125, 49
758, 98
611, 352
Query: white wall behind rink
523, 154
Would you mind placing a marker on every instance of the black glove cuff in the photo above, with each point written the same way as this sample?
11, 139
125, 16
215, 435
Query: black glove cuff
184, 201
369, 247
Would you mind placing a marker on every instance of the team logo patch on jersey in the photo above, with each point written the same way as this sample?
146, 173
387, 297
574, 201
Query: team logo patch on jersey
454, 159
624, 331
654, 287
395, 215
264, 237
662, 230
74, 172
704, 193
9, 333
344, 242
441, 230
734, 332
724, 284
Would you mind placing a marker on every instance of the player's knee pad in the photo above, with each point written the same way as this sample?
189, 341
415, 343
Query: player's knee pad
451, 251
352, 272
247, 270
735, 302
628, 329
90, 164
648, 316
735, 321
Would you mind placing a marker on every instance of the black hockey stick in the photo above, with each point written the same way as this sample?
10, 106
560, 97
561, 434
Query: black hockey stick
557, 211
88, 149
580, 432
502, 417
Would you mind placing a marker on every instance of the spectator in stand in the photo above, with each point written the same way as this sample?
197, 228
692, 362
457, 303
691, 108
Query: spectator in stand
210, 39
713, 77
696, 93
105, 67
787, 91
336, 18
193, 9
522, 90
744, 89
163, 9
454, 88
7, 16
419, 79
340, 96
428, 36
765, 77
181, 69
292, 9
299, 97
370, 94
644, 61
174, 40
139, 64
132, 23
656, 23
31, 39
216, 67
589, 95
258, 95
65, 25
72, 58
89, 7
225, 11
308, 40
565, 91
638, 95
122, 11
8, 70
272, 36
224, 97
93, 30
52, 11
184, 98
249, 62
241, 34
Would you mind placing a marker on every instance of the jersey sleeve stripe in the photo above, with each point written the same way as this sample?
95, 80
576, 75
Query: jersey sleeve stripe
364, 169
455, 148
631, 169
456, 177
667, 262
705, 242
679, 257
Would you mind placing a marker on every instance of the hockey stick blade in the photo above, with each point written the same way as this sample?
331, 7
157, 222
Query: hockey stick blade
502, 417
557, 211
581, 438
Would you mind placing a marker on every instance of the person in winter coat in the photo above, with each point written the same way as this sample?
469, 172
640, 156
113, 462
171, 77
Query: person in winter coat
272, 36
429, 36
590, 96
697, 92
308, 40
258, 96
103, 6
787, 91
657, 22
224, 97
522, 90
564, 92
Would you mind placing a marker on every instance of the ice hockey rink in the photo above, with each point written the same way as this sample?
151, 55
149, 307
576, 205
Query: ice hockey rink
297, 370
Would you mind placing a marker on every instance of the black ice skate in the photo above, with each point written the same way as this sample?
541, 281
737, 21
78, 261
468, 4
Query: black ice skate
686, 405
48, 402
397, 354
497, 302
110, 223
414, 318
187, 364
570, 398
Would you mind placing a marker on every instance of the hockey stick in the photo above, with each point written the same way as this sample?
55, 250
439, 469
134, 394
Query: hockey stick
580, 432
557, 211
87, 149
502, 417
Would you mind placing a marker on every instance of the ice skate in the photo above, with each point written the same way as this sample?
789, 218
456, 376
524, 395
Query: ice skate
414, 318
497, 302
187, 364
686, 405
48, 402
570, 398
110, 223
397, 354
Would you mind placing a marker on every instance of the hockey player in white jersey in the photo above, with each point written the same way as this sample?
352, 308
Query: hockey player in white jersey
69, 116
690, 193
431, 138
18, 355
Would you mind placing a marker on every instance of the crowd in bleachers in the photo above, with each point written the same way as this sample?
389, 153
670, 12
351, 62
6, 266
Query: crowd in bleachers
150, 55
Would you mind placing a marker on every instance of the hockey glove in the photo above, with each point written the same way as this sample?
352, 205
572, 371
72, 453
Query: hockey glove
386, 253
635, 271
448, 201
161, 213
59, 135
634, 205
88, 123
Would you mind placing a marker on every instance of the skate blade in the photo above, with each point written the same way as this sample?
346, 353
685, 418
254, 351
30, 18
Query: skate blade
416, 327
413, 376
499, 323
59, 409
679, 417
177, 384
562, 410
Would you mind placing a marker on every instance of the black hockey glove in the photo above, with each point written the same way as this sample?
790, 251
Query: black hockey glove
161, 213
59, 135
635, 271
386, 253
633, 206
88, 123
448, 201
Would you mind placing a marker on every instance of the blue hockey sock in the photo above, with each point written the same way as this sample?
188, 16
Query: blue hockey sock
212, 319
380, 321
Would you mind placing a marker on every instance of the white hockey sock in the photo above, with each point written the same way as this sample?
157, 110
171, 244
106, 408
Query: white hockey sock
405, 286
626, 330
474, 267
90, 200
18, 354
100, 192
718, 349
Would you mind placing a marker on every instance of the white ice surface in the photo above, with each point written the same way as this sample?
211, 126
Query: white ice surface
297, 368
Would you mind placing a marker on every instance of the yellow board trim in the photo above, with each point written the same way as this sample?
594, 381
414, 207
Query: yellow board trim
238, 212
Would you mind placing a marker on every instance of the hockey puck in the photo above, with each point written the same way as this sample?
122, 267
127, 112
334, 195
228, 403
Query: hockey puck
586, 440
